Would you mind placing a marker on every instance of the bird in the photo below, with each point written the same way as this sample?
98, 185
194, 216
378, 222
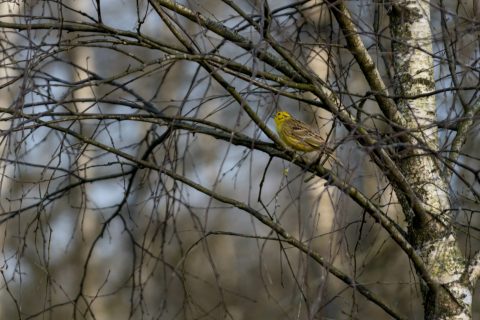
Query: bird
298, 135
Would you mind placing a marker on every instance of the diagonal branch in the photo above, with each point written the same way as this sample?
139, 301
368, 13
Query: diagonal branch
228, 34
365, 61
191, 47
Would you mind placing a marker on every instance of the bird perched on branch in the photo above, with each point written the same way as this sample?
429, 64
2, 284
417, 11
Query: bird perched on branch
298, 135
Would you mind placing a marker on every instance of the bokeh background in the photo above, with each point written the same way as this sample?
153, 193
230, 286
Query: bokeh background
86, 234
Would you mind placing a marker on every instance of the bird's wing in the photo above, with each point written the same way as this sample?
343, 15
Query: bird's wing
306, 134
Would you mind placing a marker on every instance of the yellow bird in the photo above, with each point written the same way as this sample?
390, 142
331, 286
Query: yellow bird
298, 135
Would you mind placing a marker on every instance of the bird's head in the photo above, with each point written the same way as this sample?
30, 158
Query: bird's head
281, 116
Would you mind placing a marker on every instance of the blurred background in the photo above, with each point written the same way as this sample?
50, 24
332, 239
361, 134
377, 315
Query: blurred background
88, 233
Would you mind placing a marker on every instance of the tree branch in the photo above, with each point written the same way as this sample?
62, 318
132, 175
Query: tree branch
332, 179
365, 61
244, 207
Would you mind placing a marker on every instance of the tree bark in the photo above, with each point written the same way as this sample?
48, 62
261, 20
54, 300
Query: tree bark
433, 236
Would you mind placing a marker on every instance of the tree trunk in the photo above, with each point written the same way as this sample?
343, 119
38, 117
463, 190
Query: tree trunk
432, 234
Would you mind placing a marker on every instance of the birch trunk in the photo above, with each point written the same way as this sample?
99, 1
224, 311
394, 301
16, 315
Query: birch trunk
432, 236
